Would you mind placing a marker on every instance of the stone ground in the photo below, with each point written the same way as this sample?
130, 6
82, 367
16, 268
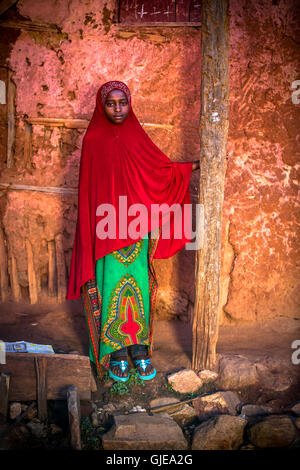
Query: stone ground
64, 328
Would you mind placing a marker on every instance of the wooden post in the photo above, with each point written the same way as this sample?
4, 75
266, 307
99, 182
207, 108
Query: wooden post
61, 269
41, 386
3, 268
51, 268
14, 280
74, 417
213, 138
11, 131
33, 288
4, 391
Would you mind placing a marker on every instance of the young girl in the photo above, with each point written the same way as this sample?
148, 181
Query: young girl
123, 172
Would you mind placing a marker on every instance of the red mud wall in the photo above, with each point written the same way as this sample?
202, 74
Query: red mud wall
57, 74
261, 210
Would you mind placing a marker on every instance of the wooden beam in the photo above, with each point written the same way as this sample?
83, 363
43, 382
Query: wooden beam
41, 387
213, 138
28, 25
44, 189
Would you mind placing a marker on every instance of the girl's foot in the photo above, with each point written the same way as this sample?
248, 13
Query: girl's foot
118, 368
144, 367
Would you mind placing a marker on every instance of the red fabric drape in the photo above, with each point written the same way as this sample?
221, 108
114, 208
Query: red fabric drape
121, 160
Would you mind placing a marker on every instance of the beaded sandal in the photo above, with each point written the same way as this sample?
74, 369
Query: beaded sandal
123, 365
143, 364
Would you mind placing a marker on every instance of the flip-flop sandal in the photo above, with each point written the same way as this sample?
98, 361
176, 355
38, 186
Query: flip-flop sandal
143, 364
123, 366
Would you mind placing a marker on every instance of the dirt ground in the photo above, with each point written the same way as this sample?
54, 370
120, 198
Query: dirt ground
65, 329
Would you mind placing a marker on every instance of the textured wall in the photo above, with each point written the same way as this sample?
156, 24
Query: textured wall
261, 210
57, 76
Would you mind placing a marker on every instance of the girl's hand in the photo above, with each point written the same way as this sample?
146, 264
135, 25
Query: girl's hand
196, 165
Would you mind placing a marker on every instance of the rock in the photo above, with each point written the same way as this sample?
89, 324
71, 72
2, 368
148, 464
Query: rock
253, 410
163, 401
270, 380
185, 381
94, 419
37, 429
296, 408
183, 416
32, 413
247, 447
109, 408
222, 432
220, 402
137, 409
141, 431
272, 431
207, 376
236, 372
14, 409
54, 429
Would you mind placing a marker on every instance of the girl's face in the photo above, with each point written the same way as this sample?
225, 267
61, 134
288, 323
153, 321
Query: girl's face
116, 106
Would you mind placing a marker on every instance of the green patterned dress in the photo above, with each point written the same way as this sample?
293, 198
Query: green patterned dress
119, 300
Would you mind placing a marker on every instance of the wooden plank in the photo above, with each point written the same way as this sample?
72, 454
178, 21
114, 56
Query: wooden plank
74, 417
41, 386
60, 269
213, 138
59, 122
45, 189
63, 370
3, 268
4, 393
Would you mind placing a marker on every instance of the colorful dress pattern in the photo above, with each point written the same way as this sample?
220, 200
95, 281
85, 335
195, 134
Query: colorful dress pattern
119, 300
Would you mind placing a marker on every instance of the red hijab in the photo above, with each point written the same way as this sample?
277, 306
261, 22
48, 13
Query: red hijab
121, 160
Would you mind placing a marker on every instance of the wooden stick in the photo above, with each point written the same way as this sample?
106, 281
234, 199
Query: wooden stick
33, 293
27, 145
45, 189
11, 131
51, 268
61, 269
41, 386
4, 391
14, 281
74, 417
213, 137
3, 268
